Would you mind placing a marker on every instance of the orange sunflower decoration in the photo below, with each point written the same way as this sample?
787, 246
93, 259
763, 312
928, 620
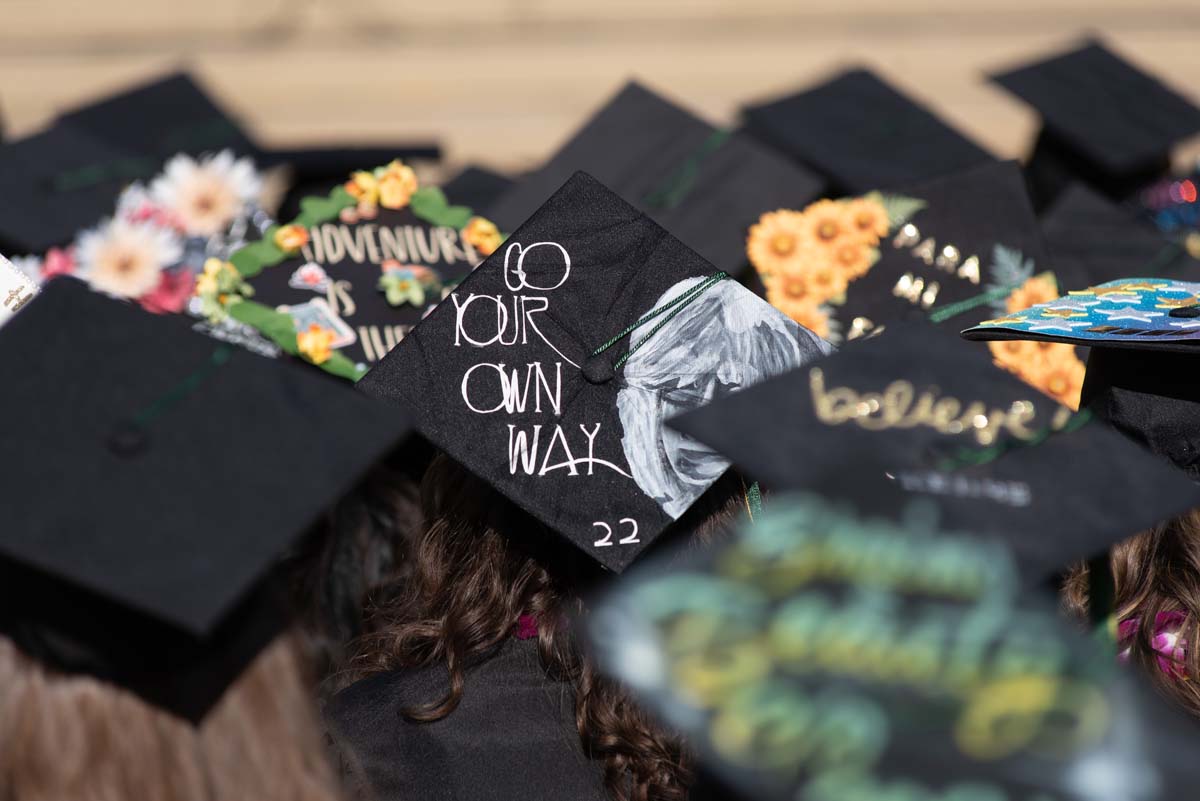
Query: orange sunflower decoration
1051, 367
807, 259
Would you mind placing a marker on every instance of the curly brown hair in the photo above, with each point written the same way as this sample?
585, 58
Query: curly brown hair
480, 564
1156, 571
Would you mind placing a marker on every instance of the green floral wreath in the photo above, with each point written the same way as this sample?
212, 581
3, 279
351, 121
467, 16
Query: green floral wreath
229, 293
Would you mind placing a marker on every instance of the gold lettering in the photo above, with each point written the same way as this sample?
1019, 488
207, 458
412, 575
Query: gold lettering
899, 406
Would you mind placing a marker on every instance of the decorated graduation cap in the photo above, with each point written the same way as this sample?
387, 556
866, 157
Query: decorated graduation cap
862, 134
1104, 121
1092, 240
550, 370
915, 413
477, 187
353, 272
153, 477
158, 119
1143, 334
704, 185
843, 268
826, 654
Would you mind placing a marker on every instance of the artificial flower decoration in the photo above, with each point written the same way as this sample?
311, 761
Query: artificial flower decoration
290, 238
807, 259
483, 235
397, 184
1167, 642
315, 344
59, 261
205, 196
363, 187
218, 286
126, 258
403, 284
1051, 367
172, 293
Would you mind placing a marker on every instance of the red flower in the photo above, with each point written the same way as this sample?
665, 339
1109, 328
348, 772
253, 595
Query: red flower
172, 293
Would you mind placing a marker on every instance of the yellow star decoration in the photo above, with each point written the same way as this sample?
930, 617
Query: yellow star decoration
1176, 303
1133, 286
1062, 314
1006, 320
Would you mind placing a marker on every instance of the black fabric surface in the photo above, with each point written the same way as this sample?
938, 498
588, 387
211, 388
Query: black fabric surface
477, 187
1078, 486
1092, 241
42, 206
176, 519
639, 143
577, 273
160, 118
1114, 114
860, 133
1153, 397
512, 737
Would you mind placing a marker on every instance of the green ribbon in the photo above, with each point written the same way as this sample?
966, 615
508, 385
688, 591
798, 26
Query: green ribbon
677, 186
671, 308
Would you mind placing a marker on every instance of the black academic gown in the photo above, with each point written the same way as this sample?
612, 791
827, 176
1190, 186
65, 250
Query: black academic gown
512, 737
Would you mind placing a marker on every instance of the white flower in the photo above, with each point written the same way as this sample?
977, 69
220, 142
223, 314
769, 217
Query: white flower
29, 266
206, 195
126, 258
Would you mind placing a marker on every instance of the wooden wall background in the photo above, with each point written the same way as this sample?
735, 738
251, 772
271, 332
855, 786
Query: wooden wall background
504, 81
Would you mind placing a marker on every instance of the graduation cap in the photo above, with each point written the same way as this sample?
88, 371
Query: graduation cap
152, 478
704, 185
845, 268
363, 263
828, 654
1104, 121
548, 372
477, 187
158, 119
1092, 240
1143, 334
57, 182
860, 133
915, 413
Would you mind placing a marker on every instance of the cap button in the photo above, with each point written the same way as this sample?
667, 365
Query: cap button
127, 440
598, 370
1185, 311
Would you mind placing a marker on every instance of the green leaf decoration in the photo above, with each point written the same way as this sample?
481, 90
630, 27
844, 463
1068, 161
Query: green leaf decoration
317, 210
429, 204
342, 366
251, 259
899, 209
277, 326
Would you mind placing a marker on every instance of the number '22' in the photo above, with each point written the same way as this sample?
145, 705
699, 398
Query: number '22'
606, 540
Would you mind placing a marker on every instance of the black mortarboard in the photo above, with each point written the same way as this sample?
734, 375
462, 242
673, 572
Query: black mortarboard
374, 255
704, 185
152, 477
828, 655
945, 246
168, 115
1104, 121
57, 182
990, 452
477, 187
549, 371
862, 134
1144, 335
1091, 240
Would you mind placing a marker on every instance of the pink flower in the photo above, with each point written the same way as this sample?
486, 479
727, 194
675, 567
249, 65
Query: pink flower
527, 627
172, 293
58, 262
1170, 648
